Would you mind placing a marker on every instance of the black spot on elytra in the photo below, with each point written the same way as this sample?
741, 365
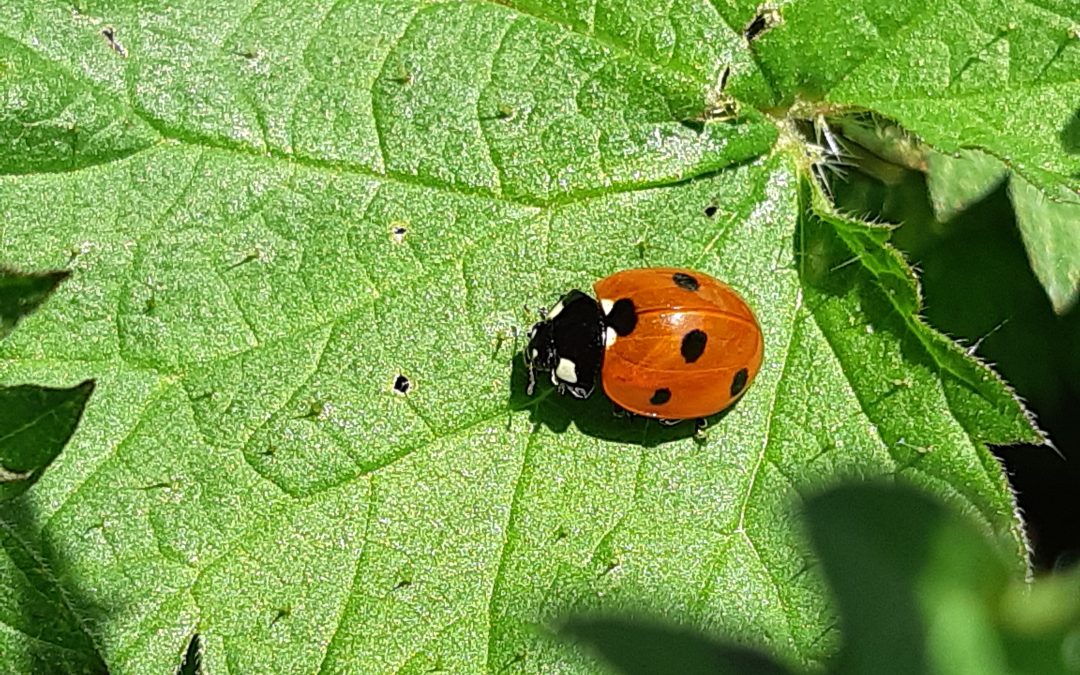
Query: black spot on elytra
684, 280
402, 384
693, 345
622, 317
660, 396
738, 383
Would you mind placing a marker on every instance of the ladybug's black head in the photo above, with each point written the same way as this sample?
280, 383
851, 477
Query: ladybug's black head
568, 343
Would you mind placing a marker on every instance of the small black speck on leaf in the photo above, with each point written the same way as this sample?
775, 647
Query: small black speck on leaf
402, 384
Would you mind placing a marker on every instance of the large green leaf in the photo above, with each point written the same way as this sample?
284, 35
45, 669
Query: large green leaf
320, 201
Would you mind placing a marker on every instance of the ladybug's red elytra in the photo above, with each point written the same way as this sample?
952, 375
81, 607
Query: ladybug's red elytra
665, 342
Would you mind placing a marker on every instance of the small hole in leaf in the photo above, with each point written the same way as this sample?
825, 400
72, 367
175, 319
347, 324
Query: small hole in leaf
316, 409
402, 385
611, 566
249, 256
402, 76
767, 18
398, 230
711, 210
281, 613
110, 36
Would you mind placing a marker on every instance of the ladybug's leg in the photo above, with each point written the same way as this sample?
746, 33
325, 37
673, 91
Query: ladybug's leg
619, 411
530, 388
700, 433
667, 423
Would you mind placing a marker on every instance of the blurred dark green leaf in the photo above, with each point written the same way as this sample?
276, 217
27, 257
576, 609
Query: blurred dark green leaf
920, 589
1049, 223
913, 583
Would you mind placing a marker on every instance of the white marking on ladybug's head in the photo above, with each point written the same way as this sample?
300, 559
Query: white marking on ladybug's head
606, 305
533, 353
566, 371
555, 310
610, 336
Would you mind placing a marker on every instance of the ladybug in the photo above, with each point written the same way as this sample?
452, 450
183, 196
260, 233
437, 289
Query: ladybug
666, 343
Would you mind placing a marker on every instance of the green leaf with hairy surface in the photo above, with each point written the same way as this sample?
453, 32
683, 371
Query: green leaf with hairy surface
342, 197
999, 75
35, 425
993, 415
1051, 233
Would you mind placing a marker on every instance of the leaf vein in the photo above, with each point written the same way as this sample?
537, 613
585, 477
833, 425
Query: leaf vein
504, 548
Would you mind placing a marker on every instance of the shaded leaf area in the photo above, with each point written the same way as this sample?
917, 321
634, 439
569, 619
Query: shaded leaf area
956, 183
1049, 226
35, 425
919, 590
999, 75
246, 334
980, 289
44, 621
192, 663
974, 392
638, 647
21, 293
529, 107
54, 120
